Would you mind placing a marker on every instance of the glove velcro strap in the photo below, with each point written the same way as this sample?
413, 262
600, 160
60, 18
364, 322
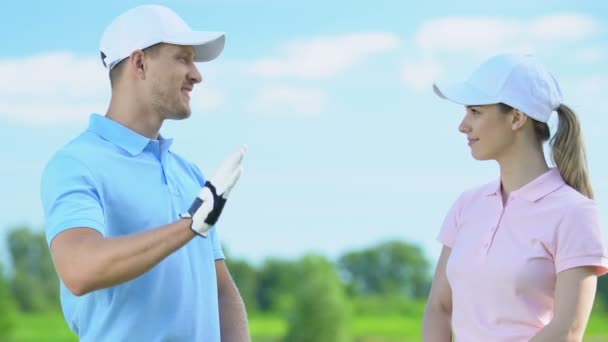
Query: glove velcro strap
218, 205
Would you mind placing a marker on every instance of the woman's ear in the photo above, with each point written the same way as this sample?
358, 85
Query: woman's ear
519, 119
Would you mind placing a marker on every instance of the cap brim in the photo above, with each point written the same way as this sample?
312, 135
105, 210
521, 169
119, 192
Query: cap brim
207, 45
463, 93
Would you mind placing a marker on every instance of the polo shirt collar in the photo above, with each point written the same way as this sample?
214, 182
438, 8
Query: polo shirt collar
492, 188
538, 188
122, 136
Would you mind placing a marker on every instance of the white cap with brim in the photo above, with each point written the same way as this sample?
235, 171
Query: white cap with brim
519, 81
147, 25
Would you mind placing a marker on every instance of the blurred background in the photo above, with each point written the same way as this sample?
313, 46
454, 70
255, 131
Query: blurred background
352, 164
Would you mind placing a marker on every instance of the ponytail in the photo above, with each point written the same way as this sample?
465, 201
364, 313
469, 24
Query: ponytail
568, 151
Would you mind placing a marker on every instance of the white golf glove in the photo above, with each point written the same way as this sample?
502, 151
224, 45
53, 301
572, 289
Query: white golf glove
207, 207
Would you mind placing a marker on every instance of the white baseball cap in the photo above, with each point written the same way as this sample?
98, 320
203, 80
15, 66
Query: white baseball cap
147, 25
519, 81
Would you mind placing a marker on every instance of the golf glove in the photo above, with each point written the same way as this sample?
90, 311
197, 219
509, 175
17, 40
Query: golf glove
207, 206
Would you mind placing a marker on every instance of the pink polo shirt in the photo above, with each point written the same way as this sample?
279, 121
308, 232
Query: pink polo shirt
504, 259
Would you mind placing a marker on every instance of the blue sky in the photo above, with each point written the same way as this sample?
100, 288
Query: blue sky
348, 145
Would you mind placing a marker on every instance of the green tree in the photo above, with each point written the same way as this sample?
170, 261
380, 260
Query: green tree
35, 285
276, 281
7, 308
321, 312
602, 291
245, 278
389, 268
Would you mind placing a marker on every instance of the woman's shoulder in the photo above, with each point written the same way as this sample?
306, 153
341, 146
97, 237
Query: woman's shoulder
480, 191
470, 197
568, 197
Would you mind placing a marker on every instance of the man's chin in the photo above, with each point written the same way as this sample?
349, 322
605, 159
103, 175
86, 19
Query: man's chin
179, 116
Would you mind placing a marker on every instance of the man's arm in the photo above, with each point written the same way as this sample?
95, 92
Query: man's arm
436, 325
87, 261
233, 316
574, 296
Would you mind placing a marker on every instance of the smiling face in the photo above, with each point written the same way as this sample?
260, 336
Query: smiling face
489, 131
173, 75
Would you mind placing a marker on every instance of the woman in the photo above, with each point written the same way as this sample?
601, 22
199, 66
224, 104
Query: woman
521, 255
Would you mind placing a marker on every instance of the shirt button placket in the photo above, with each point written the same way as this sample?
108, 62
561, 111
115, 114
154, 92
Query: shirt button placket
489, 239
171, 186
492, 231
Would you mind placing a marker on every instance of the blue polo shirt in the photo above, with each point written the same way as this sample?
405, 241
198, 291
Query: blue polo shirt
119, 183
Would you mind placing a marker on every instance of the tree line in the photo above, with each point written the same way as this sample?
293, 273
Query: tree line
315, 295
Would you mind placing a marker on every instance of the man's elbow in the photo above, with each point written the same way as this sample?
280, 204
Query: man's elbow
79, 280
77, 284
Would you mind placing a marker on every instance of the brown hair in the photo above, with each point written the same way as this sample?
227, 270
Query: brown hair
567, 148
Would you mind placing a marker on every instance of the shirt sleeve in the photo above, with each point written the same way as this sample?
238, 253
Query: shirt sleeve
218, 252
450, 227
69, 197
580, 240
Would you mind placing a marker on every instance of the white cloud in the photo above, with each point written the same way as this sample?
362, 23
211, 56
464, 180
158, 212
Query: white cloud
53, 87
567, 26
53, 74
456, 37
62, 87
325, 57
483, 34
306, 101
421, 75
462, 33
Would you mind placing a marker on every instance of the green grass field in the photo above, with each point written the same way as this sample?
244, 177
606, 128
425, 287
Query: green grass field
270, 328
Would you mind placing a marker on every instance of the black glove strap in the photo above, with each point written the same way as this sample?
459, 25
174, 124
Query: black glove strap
218, 205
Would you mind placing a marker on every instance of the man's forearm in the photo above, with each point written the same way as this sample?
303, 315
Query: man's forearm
233, 316
93, 262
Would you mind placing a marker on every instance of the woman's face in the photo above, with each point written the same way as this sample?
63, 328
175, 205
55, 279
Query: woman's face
489, 131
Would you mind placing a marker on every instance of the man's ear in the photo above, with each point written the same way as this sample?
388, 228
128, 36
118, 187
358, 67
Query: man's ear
136, 60
519, 119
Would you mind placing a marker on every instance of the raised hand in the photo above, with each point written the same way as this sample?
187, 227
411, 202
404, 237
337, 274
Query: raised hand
208, 205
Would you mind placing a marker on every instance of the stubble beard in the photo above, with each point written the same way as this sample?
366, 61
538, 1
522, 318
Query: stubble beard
170, 106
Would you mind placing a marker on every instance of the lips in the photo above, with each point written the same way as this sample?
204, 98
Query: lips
186, 91
472, 141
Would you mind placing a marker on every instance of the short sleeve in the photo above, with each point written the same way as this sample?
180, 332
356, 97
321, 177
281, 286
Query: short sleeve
450, 227
218, 252
69, 197
580, 240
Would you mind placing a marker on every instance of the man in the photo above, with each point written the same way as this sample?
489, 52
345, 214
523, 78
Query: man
129, 222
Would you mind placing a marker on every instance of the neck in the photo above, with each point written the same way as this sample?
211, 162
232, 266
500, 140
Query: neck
130, 112
520, 168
